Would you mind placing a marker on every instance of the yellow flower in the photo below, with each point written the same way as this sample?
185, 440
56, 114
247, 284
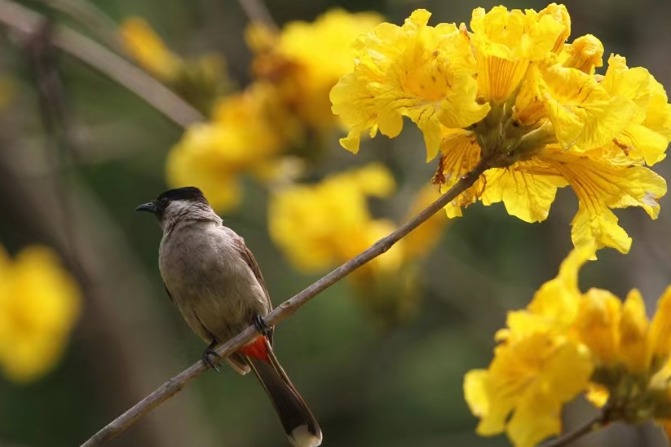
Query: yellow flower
548, 157
322, 225
631, 354
598, 324
525, 386
213, 155
538, 366
39, 304
633, 334
659, 350
147, 48
506, 42
646, 135
306, 60
584, 54
528, 105
318, 226
567, 342
425, 73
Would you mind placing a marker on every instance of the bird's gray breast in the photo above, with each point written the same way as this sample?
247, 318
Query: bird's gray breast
211, 284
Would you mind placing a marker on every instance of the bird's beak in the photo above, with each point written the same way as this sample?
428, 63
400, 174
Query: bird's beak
149, 206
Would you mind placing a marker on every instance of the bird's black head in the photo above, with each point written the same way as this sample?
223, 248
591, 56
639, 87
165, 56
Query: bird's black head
188, 194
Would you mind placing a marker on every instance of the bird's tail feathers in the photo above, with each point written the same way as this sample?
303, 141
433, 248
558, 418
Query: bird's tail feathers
298, 422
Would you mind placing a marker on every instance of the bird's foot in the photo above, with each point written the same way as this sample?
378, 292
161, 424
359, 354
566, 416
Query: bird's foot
261, 326
209, 354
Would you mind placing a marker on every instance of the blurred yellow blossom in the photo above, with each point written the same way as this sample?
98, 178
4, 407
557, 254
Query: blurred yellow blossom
39, 305
318, 226
263, 129
322, 225
239, 139
306, 60
514, 95
147, 48
565, 343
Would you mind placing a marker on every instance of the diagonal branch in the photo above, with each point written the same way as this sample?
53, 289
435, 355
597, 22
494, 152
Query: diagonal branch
282, 312
26, 22
256, 11
597, 422
87, 14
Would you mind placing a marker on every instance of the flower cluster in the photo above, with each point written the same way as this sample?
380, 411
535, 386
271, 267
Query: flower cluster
322, 225
514, 94
279, 118
39, 304
566, 343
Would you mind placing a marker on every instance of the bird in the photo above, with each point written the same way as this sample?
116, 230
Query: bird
217, 285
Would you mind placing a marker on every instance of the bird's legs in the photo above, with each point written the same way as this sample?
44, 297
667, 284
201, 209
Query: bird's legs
261, 326
208, 354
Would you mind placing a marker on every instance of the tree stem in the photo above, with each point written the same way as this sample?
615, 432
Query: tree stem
597, 422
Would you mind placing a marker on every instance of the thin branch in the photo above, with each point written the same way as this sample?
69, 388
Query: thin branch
597, 422
90, 16
26, 22
257, 11
282, 312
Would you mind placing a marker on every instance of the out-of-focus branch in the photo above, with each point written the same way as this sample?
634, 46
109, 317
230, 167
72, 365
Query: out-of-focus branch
25, 22
282, 312
90, 16
599, 421
257, 11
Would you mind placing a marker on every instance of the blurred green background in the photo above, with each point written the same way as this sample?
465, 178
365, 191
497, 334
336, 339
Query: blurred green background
397, 386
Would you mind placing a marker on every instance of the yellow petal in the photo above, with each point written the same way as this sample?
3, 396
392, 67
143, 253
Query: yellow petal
634, 346
598, 226
425, 73
559, 298
537, 417
147, 48
584, 54
526, 196
600, 185
531, 379
583, 113
598, 323
506, 42
648, 135
460, 153
354, 104
476, 392
660, 329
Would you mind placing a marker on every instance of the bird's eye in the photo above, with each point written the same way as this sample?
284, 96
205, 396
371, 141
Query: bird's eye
163, 203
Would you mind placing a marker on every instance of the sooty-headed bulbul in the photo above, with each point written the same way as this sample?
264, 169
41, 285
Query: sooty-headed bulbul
215, 282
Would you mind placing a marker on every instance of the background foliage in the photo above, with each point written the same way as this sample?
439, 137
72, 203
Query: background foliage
368, 384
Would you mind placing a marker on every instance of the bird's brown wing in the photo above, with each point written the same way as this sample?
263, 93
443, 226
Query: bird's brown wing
254, 266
